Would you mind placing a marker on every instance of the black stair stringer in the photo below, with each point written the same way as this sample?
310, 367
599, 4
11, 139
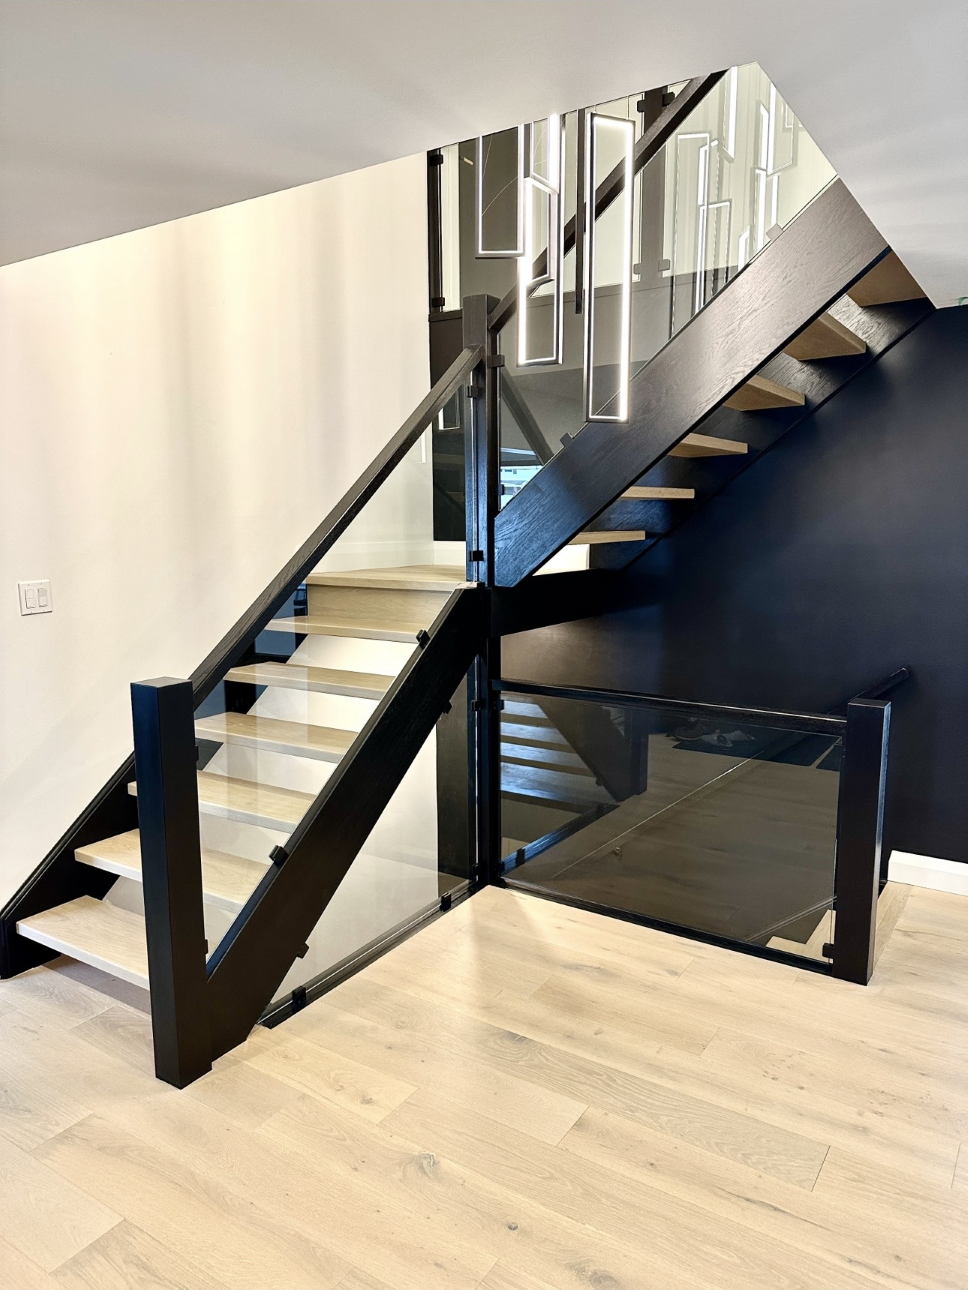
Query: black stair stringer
880, 327
800, 274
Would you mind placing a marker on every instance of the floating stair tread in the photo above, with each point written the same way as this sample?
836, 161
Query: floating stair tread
96, 933
826, 337
707, 445
322, 680
324, 743
227, 880
249, 802
313, 625
887, 283
646, 493
760, 393
596, 537
527, 783
409, 577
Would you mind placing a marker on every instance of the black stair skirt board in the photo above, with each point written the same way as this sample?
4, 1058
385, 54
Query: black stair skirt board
881, 327
798, 276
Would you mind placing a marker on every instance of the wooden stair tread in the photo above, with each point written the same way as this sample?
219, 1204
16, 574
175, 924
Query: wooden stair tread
646, 493
313, 625
707, 445
324, 743
887, 283
525, 783
408, 577
96, 933
760, 393
322, 680
249, 802
826, 337
227, 880
595, 537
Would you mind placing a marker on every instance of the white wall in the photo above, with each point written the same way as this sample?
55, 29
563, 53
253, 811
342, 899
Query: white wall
179, 407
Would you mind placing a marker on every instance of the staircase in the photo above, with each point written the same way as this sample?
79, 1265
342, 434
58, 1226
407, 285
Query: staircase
261, 780
811, 366
352, 617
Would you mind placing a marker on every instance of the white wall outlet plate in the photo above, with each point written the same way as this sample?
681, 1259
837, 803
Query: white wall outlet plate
35, 597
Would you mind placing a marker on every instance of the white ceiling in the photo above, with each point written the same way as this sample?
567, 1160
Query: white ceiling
115, 114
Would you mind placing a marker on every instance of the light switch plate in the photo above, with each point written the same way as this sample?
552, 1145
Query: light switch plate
35, 597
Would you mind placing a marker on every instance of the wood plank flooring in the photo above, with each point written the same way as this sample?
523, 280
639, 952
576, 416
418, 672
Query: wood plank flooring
522, 1096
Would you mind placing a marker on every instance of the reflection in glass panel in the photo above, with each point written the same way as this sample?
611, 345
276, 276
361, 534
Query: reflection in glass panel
539, 269
499, 164
723, 827
608, 268
737, 170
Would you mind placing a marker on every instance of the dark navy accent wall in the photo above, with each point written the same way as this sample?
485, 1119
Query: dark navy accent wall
837, 557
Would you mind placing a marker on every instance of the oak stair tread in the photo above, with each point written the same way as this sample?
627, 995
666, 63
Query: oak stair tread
298, 738
888, 283
647, 493
408, 577
826, 337
760, 393
708, 445
321, 680
533, 783
248, 802
227, 880
97, 933
596, 537
390, 629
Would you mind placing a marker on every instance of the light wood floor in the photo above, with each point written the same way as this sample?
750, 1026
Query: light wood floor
521, 1096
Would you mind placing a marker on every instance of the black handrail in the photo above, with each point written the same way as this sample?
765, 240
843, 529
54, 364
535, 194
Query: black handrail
652, 141
884, 687
778, 718
210, 672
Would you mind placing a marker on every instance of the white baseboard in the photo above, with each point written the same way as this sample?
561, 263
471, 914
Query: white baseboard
928, 871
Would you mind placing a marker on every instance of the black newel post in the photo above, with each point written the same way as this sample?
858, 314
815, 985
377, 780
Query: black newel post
164, 748
860, 820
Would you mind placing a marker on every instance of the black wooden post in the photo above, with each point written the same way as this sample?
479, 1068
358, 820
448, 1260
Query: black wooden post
860, 819
171, 864
483, 491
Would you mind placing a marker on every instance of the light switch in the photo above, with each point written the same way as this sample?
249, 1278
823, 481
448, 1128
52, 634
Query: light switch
35, 597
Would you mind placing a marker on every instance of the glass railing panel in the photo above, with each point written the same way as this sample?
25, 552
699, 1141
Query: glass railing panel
418, 852
278, 725
717, 826
735, 173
